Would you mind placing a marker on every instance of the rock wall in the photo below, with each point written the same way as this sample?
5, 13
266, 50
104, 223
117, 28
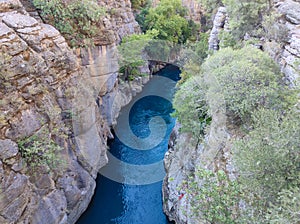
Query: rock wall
283, 41
47, 87
117, 23
287, 54
183, 158
218, 25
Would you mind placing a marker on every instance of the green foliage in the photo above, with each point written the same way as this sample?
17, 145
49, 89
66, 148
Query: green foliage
273, 29
268, 161
246, 16
286, 209
190, 107
214, 197
76, 19
139, 4
131, 51
169, 19
227, 40
141, 19
248, 79
40, 151
196, 51
210, 6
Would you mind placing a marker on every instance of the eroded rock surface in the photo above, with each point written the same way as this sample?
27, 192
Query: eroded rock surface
45, 87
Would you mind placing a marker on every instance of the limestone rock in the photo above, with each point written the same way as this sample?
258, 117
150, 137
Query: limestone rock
291, 10
8, 149
51, 209
218, 25
44, 83
29, 123
14, 195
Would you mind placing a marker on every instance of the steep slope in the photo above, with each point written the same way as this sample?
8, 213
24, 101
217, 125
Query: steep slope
48, 88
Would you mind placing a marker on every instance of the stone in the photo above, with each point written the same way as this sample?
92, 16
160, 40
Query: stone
50, 209
9, 5
14, 196
78, 188
30, 122
4, 30
291, 10
42, 69
19, 21
8, 149
218, 25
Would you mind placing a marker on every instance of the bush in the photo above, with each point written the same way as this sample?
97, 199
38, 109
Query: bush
246, 16
169, 19
139, 4
131, 52
286, 209
214, 197
268, 160
191, 109
40, 151
76, 20
248, 79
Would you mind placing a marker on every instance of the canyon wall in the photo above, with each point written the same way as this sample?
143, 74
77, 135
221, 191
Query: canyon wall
215, 152
49, 90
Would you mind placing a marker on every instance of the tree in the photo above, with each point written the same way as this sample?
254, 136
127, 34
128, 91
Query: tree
131, 52
245, 16
169, 19
191, 109
286, 209
214, 197
248, 79
268, 163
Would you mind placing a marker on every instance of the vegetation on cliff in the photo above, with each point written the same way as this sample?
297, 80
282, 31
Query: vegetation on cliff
262, 121
267, 157
77, 20
163, 27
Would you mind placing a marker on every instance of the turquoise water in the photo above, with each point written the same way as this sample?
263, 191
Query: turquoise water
116, 202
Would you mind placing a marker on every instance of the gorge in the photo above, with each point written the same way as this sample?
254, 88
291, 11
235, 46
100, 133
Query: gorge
68, 103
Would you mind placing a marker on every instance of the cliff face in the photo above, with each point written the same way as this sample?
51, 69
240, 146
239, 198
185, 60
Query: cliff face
283, 41
182, 159
288, 54
48, 88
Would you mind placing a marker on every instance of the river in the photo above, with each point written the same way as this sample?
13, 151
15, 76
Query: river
135, 197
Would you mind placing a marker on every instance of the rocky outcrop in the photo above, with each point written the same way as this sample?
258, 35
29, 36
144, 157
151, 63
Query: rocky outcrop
48, 88
282, 43
186, 157
195, 11
117, 22
218, 25
288, 54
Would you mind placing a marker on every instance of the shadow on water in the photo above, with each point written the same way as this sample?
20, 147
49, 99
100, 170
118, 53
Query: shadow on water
118, 203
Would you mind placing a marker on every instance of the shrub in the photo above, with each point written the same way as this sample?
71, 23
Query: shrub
191, 109
139, 4
169, 19
40, 151
268, 160
214, 197
76, 20
286, 209
248, 79
131, 52
246, 16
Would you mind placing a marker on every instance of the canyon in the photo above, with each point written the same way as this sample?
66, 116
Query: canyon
75, 95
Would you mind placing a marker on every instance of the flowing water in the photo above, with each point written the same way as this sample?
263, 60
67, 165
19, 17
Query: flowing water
122, 201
